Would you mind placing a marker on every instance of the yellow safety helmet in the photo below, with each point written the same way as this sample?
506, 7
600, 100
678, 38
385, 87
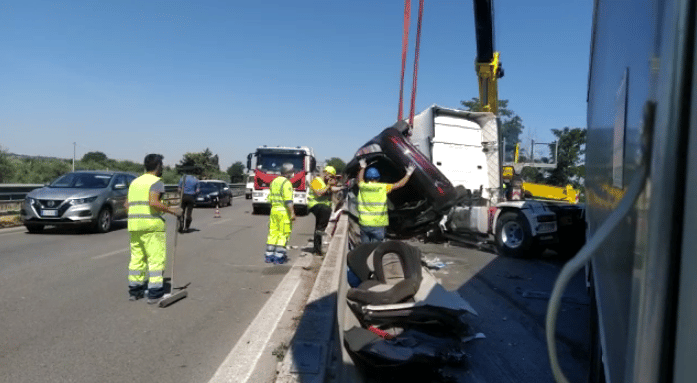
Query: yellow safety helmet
330, 170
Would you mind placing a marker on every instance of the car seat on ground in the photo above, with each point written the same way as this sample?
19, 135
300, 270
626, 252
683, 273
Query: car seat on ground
374, 288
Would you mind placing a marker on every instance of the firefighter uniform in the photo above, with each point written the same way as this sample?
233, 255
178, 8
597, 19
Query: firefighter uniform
280, 224
147, 229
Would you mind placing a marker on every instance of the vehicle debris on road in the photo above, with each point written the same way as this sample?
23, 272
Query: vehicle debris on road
413, 326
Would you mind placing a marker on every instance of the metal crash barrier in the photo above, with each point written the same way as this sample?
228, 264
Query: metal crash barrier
315, 353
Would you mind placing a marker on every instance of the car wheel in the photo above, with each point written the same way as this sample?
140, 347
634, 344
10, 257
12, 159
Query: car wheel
104, 219
248, 196
513, 235
255, 209
34, 228
229, 201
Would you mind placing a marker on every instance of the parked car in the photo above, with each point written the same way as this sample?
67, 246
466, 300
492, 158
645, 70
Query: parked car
91, 197
214, 192
249, 187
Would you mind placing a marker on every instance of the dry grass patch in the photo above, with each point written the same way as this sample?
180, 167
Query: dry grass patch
10, 220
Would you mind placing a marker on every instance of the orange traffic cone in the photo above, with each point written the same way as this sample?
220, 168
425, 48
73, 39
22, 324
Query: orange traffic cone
217, 211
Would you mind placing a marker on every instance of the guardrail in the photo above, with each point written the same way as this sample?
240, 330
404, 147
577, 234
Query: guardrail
315, 353
14, 192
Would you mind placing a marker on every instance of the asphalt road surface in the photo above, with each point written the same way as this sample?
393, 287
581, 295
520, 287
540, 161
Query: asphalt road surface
511, 296
66, 316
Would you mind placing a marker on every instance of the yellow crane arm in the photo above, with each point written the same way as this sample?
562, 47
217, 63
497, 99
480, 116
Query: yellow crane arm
488, 74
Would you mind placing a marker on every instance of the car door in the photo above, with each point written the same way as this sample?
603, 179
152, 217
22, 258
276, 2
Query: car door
228, 191
119, 194
222, 193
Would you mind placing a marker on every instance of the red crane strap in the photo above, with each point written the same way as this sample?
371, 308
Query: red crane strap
405, 42
416, 62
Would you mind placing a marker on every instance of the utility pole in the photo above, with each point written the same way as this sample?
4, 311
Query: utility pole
73, 156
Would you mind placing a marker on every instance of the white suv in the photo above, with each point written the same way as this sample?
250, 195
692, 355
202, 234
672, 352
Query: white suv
90, 197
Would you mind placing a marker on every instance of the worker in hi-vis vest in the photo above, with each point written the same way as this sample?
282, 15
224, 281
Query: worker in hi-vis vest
319, 202
146, 226
281, 217
372, 202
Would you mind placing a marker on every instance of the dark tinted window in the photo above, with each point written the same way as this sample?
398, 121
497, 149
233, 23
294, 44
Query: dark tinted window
82, 181
208, 187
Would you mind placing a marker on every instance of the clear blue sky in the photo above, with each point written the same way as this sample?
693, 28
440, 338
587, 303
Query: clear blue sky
132, 77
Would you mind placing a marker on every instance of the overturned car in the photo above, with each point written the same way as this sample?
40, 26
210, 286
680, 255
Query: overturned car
427, 197
457, 189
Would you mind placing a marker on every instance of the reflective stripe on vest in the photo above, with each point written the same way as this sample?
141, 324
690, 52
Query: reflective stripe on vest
276, 197
372, 204
141, 217
313, 199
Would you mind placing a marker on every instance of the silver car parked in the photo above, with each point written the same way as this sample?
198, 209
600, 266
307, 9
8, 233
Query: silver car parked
89, 197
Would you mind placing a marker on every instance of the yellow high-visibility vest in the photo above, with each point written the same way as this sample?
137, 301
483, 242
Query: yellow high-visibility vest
141, 217
313, 199
372, 204
280, 193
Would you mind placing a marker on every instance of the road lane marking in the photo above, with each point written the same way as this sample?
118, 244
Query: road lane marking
111, 253
13, 230
243, 358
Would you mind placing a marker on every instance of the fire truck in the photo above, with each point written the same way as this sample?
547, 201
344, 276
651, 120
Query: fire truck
267, 166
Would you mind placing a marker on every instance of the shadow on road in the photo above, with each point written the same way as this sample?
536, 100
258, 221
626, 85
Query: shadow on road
79, 229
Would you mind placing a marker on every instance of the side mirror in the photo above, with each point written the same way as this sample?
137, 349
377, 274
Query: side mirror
119, 186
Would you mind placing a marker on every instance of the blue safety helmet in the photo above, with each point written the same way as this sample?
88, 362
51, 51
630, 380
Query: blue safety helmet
372, 174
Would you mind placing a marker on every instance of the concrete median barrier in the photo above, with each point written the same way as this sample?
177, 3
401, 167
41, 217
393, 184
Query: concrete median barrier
314, 350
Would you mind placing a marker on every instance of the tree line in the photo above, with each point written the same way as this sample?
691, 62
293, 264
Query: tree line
42, 170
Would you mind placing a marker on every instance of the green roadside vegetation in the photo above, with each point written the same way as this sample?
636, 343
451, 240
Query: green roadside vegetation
22, 169
9, 221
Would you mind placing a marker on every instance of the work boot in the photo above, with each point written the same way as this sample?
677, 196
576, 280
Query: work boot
135, 297
268, 254
152, 301
317, 243
280, 260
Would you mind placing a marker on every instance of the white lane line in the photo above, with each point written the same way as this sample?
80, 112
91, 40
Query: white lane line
13, 230
111, 253
243, 358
